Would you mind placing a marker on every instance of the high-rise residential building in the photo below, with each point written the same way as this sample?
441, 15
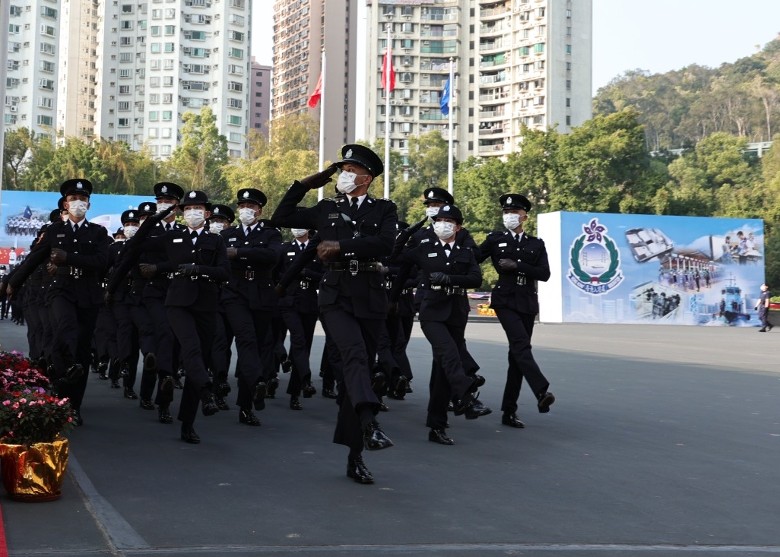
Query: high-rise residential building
516, 63
78, 55
260, 97
160, 60
302, 29
32, 65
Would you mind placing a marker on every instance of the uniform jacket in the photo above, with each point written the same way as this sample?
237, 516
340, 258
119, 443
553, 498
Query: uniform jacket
157, 286
251, 279
364, 237
516, 289
301, 294
79, 279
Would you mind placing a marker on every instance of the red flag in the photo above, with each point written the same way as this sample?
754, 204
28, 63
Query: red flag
317, 94
388, 73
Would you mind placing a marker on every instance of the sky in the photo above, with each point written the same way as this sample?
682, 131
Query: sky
653, 35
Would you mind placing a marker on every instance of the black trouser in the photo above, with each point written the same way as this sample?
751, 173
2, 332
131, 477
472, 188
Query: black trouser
126, 341
221, 352
34, 330
399, 327
301, 328
73, 328
448, 377
195, 332
518, 328
155, 336
763, 315
254, 345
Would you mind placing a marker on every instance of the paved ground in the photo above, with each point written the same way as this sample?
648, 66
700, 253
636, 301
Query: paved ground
663, 441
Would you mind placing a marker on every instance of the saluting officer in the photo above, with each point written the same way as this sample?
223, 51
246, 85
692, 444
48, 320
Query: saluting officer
356, 232
78, 253
520, 260
249, 299
447, 270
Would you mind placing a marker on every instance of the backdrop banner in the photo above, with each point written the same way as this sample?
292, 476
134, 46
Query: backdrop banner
651, 269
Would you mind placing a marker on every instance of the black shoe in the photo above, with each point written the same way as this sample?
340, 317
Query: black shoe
770, 327
221, 404
258, 399
248, 417
188, 435
309, 390
511, 419
545, 401
383, 407
102, 368
177, 383
222, 390
762, 330
73, 374
287, 366
295, 404
103, 376
356, 469
164, 414
329, 393
130, 393
478, 380
146, 404
374, 438
378, 384
439, 436
124, 371
78, 421
166, 390
409, 387
208, 405
115, 384
273, 384
450, 407
398, 392
471, 407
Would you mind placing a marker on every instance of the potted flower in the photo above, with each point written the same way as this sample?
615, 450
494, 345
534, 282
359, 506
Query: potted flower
33, 453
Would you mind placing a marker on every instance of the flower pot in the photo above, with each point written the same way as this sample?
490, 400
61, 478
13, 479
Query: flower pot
34, 472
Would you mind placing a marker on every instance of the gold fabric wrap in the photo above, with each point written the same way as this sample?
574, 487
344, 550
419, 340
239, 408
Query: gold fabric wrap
35, 472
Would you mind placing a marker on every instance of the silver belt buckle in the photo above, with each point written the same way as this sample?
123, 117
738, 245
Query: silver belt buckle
521, 280
249, 274
354, 266
436, 287
75, 272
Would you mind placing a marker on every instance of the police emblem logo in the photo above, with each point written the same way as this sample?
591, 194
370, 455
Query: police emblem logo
246, 194
348, 154
164, 189
430, 195
216, 210
79, 186
594, 260
192, 195
508, 200
131, 214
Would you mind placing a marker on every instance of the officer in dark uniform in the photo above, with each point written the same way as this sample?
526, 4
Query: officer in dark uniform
447, 270
299, 310
222, 218
356, 232
78, 253
520, 260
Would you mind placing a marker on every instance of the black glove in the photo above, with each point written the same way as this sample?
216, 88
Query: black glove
147, 270
507, 265
58, 256
440, 278
187, 269
320, 178
153, 220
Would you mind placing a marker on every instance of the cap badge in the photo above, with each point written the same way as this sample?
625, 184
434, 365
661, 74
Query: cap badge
348, 154
131, 214
508, 200
192, 195
430, 195
164, 189
246, 195
79, 185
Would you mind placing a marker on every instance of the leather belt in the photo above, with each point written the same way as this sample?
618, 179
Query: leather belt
449, 290
70, 271
354, 266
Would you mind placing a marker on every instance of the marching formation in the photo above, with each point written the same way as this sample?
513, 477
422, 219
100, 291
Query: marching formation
174, 296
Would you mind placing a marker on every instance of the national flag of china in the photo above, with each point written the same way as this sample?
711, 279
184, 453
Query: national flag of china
317, 94
388, 73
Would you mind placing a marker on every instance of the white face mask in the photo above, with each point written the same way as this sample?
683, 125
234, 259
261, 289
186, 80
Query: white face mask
443, 229
511, 221
216, 226
77, 209
298, 232
431, 212
346, 182
246, 216
130, 231
163, 206
194, 217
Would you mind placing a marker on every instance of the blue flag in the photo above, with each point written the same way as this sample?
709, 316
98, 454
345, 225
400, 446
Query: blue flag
445, 98
27, 213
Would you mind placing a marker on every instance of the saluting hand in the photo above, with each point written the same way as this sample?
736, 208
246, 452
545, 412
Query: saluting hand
328, 250
320, 178
58, 256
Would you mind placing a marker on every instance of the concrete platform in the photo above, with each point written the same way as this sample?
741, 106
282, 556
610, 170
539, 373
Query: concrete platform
662, 441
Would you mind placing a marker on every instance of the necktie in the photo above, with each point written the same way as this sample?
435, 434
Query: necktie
247, 230
354, 207
301, 247
194, 236
447, 249
168, 227
75, 228
517, 237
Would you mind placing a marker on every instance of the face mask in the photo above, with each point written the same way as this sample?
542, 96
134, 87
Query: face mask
511, 221
194, 217
431, 212
77, 209
346, 183
130, 231
444, 229
163, 206
246, 216
298, 232
216, 226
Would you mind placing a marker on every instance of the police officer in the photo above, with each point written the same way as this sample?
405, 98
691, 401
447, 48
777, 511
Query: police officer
249, 299
356, 232
447, 270
520, 260
78, 252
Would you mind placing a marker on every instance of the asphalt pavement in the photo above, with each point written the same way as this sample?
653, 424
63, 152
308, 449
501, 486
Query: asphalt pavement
663, 441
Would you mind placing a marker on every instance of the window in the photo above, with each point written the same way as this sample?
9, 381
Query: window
165, 150
45, 120
124, 73
46, 84
155, 30
235, 86
127, 8
154, 82
166, 133
235, 103
45, 102
235, 137
124, 89
235, 35
539, 48
154, 98
236, 53
154, 116
48, 12
46, 66
167, 115
125, 41
168, 64
568, 120
167, 98
169, 47
156, 48
47, 48
126, 57
152, 133
568, 49
168, 81
48, 30
234, 120
170, 30
126, 25
568, 102
123, 122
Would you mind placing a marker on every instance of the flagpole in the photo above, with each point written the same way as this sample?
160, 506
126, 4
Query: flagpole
449, 116
320, 193
387, 68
